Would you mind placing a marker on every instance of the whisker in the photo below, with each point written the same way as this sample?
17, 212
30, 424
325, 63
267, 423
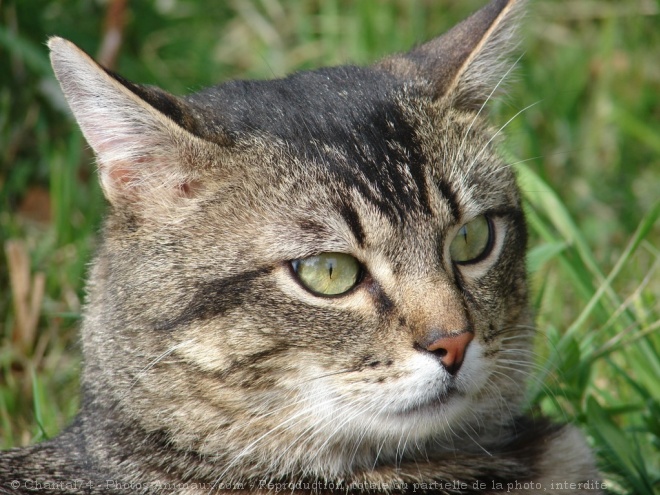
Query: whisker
460, 424
401, 450
313, 427
246, 450
332, 373
355, 414
483, 149
364, 432
154, 362
483, 105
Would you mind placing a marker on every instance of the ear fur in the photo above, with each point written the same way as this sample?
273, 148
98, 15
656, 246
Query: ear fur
145, 153
465, 64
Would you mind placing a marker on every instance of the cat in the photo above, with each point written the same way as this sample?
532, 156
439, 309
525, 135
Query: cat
313, 284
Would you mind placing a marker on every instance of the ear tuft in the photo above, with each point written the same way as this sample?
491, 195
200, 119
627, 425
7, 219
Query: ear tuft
465, 64
138, 133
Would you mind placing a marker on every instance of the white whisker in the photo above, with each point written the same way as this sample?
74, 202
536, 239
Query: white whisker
494, 136
154, 362
483, 105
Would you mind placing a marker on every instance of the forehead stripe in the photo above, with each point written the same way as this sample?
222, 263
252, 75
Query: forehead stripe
352, 219
450, 197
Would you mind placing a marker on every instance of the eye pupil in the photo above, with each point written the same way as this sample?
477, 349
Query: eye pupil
328, 274
464, 233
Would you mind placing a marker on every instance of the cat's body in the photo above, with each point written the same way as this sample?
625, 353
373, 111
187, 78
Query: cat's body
212, 359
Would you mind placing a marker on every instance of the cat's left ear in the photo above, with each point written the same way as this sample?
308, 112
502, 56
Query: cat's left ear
150, 148
467, 63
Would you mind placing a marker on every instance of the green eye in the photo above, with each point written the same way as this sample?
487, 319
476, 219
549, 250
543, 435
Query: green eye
472, 242
328, 274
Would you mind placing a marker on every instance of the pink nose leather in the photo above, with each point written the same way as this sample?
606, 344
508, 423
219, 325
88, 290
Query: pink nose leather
451, 350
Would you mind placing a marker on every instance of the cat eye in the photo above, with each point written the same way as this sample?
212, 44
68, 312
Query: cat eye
328, 274
473, 241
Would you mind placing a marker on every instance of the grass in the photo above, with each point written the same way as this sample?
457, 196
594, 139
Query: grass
587, 154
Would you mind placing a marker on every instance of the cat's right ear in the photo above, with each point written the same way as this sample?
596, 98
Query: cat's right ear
468, 62
145, 139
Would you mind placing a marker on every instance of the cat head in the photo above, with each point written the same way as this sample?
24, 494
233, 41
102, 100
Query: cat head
330, 263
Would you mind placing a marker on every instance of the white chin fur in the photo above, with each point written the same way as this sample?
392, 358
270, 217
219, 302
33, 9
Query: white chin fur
425, 402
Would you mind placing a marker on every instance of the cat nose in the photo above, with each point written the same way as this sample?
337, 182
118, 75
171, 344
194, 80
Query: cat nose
450, 350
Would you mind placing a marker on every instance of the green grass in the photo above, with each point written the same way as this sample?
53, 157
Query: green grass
587, 154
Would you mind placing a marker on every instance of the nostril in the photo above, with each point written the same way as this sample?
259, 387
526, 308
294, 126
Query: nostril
450, 350
441, 353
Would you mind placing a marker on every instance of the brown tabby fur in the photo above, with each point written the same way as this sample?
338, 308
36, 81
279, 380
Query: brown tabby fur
208, 365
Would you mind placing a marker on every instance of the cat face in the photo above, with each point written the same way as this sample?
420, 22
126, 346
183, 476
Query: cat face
213, 314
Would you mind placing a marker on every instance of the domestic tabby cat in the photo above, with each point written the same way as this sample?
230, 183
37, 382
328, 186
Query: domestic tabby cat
309, 284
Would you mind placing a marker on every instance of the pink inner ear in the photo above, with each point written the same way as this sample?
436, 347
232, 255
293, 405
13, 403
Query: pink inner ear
134, 180
123, 177
136, 177
119, 182
190, 188
185, 189
120, 176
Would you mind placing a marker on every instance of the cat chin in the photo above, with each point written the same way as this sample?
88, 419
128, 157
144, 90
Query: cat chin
423, 403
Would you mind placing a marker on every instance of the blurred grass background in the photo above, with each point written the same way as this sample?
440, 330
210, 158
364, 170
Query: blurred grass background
587, 152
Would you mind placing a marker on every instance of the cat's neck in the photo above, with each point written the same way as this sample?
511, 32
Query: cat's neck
123, 447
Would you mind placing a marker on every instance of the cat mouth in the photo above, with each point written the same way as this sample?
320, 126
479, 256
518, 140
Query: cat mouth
431, 405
